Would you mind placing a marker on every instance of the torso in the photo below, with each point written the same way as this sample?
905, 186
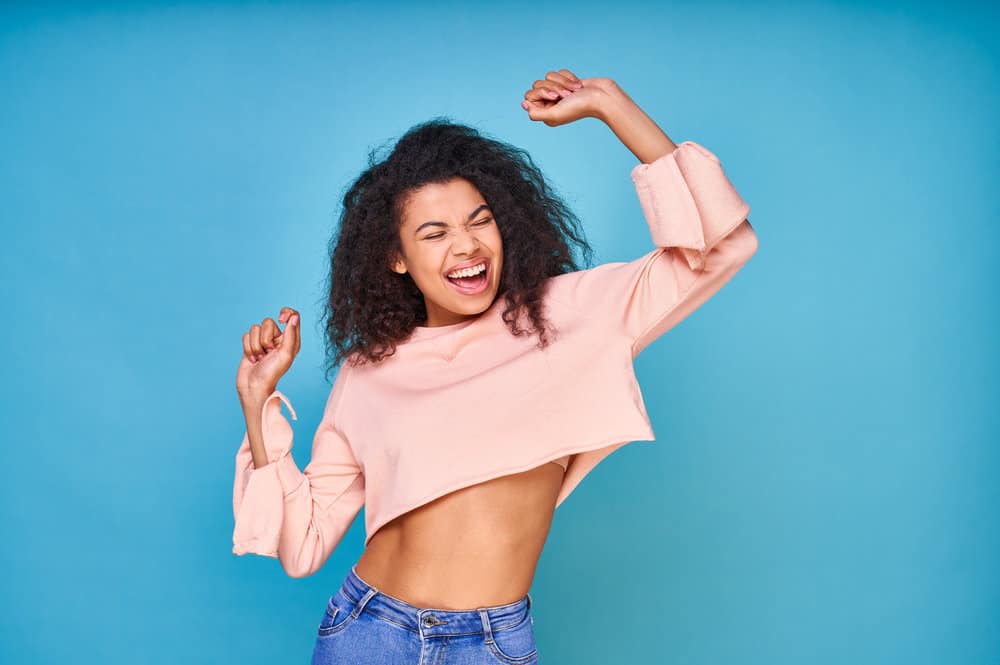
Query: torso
474, 547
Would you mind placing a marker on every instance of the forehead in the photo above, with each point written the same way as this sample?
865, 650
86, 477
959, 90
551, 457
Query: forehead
450, 201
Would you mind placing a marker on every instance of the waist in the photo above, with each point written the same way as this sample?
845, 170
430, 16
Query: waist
497, 575
428, 621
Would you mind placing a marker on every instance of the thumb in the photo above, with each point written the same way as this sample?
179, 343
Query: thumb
537, 111
290, 338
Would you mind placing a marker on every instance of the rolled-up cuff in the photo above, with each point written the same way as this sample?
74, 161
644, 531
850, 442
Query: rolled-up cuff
688, 201
259, 515
258, 494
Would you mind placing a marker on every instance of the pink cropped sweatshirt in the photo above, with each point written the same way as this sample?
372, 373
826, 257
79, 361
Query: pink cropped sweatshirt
463, 403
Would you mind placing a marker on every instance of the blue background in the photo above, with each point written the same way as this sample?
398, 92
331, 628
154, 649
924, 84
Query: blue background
824, 487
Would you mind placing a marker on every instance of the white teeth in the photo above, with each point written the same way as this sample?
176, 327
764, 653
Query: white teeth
468, 272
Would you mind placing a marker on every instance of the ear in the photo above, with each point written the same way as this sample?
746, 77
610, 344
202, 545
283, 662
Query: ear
398, 265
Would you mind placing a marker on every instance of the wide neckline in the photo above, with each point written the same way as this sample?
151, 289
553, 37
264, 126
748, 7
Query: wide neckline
421, 332
428, 332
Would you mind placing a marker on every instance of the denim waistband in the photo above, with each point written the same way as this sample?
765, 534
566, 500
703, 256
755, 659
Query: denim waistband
429, 621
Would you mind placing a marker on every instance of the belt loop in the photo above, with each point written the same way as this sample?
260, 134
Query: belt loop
487, 629
359, 607
529, 600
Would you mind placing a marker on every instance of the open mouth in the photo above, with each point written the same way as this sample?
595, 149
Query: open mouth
471, 285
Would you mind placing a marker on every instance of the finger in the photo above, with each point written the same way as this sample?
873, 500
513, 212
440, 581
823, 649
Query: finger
555, 93
290, 338
573, 78
538, 111
296, 335
247, 351
539, 94
548, 93
255, 346
268, 331
559, 79
534, 107
253, 355
561, 91
561, 82
547, 89
292, 312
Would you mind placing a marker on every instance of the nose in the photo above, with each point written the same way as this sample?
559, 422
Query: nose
465, 242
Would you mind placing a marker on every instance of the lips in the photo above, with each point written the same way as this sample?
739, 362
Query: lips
468, 264
472, 286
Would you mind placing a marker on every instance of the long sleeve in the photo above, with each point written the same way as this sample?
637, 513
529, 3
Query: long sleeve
697, 220
297, 516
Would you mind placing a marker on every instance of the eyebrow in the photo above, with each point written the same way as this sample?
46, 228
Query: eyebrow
468, 219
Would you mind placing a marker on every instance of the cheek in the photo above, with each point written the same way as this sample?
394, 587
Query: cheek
496, 242
427, 281
428, 264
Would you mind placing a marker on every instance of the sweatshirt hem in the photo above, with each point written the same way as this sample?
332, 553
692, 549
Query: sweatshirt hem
511, 470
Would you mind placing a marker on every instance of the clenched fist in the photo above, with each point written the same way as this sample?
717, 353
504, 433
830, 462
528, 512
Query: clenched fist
268, 353
561, 97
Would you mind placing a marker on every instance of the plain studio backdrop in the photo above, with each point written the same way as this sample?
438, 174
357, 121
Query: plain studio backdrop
824, 484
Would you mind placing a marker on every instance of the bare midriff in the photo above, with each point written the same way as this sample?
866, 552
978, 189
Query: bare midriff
475, 547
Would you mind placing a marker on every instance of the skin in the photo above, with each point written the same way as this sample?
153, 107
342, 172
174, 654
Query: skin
477, 546
437, 234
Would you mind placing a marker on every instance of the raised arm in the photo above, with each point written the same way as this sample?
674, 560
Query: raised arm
697, 220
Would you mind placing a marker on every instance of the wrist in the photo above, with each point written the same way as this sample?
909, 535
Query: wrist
613, 102
636, 130
253, 400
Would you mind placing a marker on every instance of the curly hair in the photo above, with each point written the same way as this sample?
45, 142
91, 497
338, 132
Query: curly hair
369, 308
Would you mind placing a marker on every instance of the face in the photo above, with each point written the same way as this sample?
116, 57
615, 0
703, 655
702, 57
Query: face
445, 228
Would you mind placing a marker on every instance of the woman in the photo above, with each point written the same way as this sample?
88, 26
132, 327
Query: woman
458, 428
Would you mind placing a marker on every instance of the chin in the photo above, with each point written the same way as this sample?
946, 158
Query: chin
480, 304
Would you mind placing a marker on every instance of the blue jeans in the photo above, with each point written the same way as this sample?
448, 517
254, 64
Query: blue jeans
363, 626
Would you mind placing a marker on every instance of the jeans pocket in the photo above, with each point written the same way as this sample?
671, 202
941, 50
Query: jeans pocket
515, 645
338, 615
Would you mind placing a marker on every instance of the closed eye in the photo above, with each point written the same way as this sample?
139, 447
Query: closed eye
440, 234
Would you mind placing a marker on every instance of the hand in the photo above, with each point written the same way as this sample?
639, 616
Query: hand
561, 98
267, 354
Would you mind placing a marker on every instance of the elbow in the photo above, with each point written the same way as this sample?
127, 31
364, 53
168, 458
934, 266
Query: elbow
307, 559
313, 529
741, 244
297, 566
297, 572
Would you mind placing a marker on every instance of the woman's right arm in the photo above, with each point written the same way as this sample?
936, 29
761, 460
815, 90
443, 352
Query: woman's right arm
298, 516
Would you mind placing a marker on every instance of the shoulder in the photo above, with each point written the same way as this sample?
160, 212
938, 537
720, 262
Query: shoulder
340, 382
600, 285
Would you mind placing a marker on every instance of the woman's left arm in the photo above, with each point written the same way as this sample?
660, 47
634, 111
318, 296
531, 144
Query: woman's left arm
697, 219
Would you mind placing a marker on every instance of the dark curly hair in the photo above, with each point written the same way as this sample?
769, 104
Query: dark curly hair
369, 307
